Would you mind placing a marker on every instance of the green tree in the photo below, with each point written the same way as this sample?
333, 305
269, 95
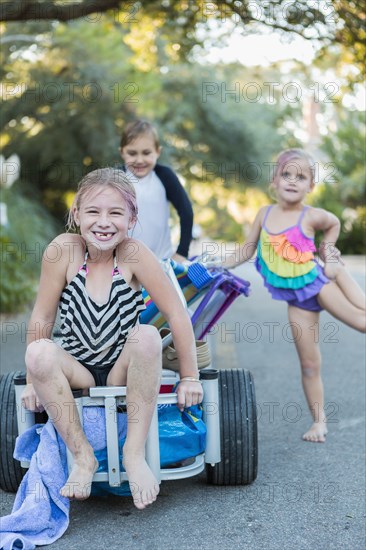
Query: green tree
68, 100
22, 242
344, 193
64, 99
340, 22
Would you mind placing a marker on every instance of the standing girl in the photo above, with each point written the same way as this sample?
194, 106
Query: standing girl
283, 235
102, 342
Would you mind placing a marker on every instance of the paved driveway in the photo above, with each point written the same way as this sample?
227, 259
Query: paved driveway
306, 496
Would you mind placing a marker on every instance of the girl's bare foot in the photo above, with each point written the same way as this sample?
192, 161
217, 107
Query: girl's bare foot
80, 479
317, 433
143, 484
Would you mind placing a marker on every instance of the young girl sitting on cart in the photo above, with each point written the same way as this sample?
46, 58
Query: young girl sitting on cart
94, 277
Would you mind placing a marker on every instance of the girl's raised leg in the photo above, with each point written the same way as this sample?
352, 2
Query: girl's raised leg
53, 373
302, 324
333, 298
338, 272
139, 366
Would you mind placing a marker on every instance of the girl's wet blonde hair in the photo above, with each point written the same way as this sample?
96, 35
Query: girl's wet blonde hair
292, 154
103, 178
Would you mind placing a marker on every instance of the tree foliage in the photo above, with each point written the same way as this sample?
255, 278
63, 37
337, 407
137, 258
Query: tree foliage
344, 193
70, 88
18, 10
340, 21
22, 243
351, 32
68, 99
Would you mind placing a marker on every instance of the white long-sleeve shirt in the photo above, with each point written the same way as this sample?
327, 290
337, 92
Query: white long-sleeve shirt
152, 227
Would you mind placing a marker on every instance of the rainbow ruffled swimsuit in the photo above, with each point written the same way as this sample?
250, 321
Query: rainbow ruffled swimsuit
288, 267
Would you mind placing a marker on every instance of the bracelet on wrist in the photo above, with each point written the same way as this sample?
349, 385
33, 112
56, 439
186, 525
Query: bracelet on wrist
190, 379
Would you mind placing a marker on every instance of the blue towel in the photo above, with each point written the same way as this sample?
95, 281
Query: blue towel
40, 514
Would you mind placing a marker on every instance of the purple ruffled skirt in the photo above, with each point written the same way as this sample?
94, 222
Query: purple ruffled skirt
304, 298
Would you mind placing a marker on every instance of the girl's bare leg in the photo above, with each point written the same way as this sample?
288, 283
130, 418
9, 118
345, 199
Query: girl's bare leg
302, 324
53, 373
139, 365
337, 271
334, 299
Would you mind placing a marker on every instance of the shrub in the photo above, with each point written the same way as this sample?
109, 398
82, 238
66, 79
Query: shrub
22, 242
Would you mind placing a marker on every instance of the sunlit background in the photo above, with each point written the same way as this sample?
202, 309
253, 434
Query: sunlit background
228, 91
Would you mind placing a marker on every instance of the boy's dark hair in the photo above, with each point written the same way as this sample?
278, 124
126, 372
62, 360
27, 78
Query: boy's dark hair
137, 128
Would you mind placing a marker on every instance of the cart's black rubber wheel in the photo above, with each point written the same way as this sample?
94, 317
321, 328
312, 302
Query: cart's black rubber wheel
238, 430
11, 472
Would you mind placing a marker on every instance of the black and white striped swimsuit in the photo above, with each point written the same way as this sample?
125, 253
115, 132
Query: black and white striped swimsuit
94, 334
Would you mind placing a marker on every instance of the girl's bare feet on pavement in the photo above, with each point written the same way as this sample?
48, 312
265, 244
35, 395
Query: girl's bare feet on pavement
143, 484
79, 482
317, 433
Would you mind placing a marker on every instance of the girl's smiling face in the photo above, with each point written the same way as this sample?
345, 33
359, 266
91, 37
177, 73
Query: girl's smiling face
294, 181
103, 217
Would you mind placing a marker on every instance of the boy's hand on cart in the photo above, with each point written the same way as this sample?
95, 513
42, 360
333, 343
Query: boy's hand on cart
189, 392
30, 399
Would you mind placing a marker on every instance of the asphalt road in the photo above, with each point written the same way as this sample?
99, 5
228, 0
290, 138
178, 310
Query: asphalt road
306, 496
